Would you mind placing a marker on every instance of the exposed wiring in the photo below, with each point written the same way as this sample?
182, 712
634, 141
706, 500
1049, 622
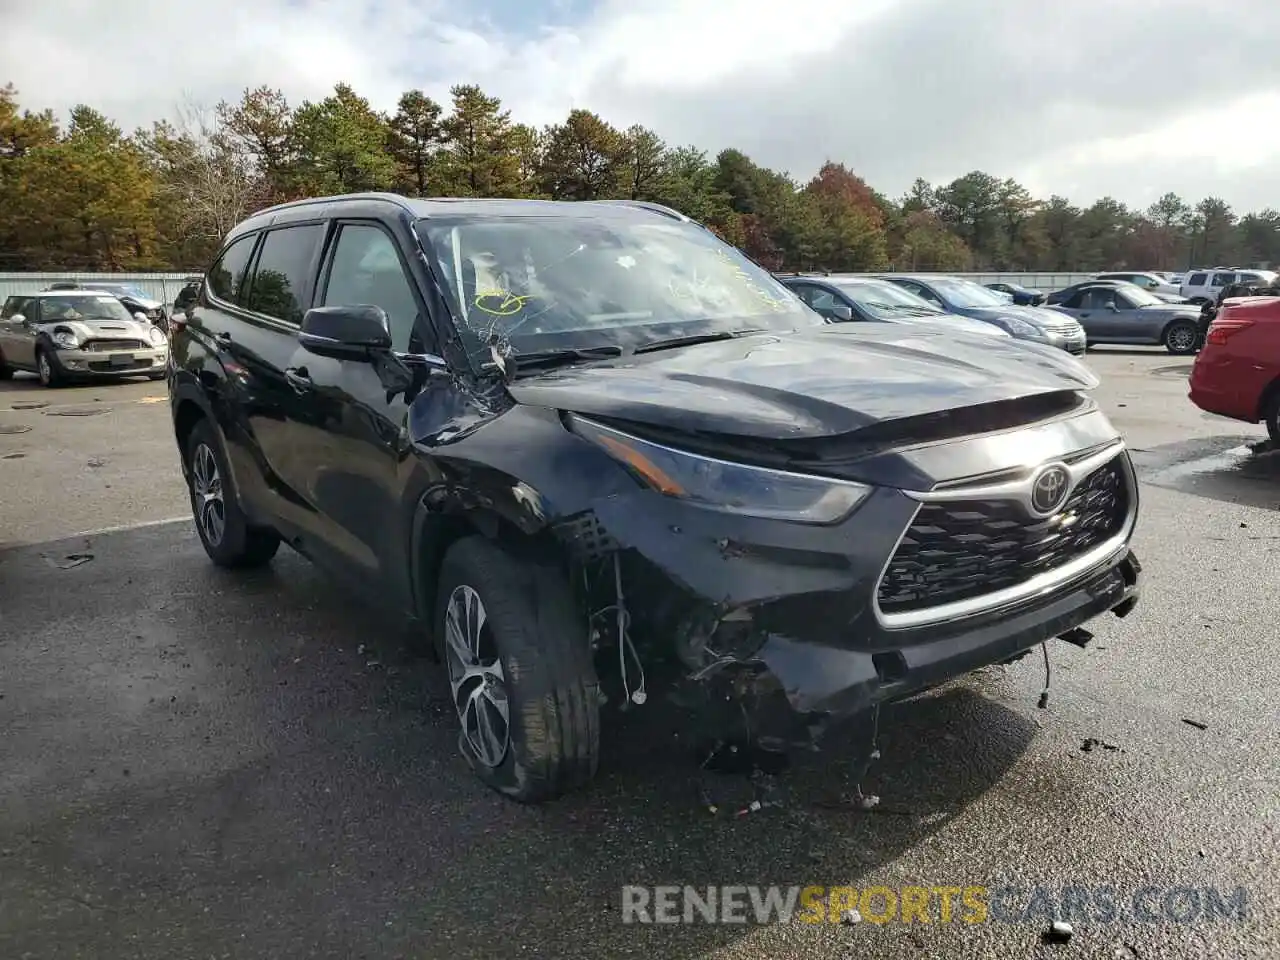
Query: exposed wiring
624, 640
638, 696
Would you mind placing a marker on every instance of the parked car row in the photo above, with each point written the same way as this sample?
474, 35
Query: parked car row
593, 453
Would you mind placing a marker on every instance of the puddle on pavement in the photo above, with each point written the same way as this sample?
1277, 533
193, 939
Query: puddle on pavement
1233, 469
12, 428
77, 412
28, 405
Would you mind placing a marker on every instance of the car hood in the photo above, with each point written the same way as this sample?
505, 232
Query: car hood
821, 383
1039, 316
955, 323
102, 329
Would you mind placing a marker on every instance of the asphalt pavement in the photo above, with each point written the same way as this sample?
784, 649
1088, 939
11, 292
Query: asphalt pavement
198, 764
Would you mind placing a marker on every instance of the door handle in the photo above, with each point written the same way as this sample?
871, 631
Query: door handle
298, 378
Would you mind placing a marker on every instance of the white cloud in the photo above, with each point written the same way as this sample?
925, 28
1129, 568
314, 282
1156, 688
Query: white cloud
1085, 98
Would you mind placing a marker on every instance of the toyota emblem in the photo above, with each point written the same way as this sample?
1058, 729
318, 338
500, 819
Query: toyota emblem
1049, 489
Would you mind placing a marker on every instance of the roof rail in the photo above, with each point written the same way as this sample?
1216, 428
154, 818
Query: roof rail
648, 205
401, 201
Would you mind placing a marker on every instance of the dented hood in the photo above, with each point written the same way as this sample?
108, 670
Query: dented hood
826, 382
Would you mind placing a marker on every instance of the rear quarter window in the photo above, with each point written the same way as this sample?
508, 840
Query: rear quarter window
226, 276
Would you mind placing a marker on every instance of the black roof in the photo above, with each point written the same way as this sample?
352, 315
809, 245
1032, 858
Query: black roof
380, 204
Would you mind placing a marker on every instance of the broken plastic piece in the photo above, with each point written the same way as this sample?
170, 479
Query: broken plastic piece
850, 917
1195, 723
1059, 932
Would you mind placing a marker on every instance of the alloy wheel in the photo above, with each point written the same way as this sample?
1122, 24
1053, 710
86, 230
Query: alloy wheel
206, 490
1182, 338
476, 677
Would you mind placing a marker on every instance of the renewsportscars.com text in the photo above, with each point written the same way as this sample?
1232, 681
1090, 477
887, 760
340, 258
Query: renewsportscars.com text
1077, 903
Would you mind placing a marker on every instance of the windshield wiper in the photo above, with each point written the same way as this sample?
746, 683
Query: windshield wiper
689, 341
555, 358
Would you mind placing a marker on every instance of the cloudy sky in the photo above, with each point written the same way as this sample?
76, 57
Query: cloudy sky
1084, 97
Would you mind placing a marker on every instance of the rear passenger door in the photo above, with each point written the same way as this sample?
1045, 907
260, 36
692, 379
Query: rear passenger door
257, 339
351, 463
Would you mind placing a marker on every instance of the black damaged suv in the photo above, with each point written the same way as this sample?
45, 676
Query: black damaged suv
590, 449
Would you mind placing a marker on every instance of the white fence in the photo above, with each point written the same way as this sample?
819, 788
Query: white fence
159, 286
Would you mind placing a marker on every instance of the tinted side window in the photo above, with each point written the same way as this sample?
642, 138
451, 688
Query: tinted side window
366, 269
1097, 299
283, 271
11, 306
226, 276
1222, 279
1196, 280
1073, 301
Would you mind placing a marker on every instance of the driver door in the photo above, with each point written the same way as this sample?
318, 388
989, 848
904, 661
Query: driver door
1096, 315
20, 337
355, 473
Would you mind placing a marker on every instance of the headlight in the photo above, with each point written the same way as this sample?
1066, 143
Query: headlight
157, 337
66, 340
721, 485
1020, 328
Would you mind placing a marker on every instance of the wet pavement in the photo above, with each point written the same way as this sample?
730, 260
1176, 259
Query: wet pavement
202, 764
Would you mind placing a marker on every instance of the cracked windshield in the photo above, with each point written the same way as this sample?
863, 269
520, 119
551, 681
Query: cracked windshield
529, 284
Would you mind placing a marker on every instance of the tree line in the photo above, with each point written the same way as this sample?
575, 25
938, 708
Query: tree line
89, 196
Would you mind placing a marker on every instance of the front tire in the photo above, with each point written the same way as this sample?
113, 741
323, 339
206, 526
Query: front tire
47, 369
224, 530
1181, 337
520, 671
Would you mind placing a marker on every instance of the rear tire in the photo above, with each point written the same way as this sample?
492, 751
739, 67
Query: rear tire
224, 530
513, 640
1271, 415
6, 371
1181, 337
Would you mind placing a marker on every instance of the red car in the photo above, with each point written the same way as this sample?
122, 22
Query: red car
1237, 373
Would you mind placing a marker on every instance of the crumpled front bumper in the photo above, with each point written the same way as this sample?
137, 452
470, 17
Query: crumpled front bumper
841, 681
810, 596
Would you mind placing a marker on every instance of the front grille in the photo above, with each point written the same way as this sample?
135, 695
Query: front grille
962, 549
114, 346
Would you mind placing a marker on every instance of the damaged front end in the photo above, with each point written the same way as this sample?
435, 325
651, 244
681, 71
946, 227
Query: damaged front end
771, 627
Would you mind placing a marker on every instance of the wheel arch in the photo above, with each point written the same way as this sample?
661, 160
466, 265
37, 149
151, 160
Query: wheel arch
436, 529
1173, 322
1269, 393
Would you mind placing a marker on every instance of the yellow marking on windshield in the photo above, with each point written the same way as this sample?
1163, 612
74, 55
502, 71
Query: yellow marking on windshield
507, 304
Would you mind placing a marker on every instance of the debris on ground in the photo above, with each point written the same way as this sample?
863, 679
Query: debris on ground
1059, 932
850, 917
13, 456
96, 462
29, 405
1195, 723
1090, 743
69, 561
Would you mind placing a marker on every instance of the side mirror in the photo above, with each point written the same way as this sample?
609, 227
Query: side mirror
347, 332
842, 311
18, 318
140, 316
